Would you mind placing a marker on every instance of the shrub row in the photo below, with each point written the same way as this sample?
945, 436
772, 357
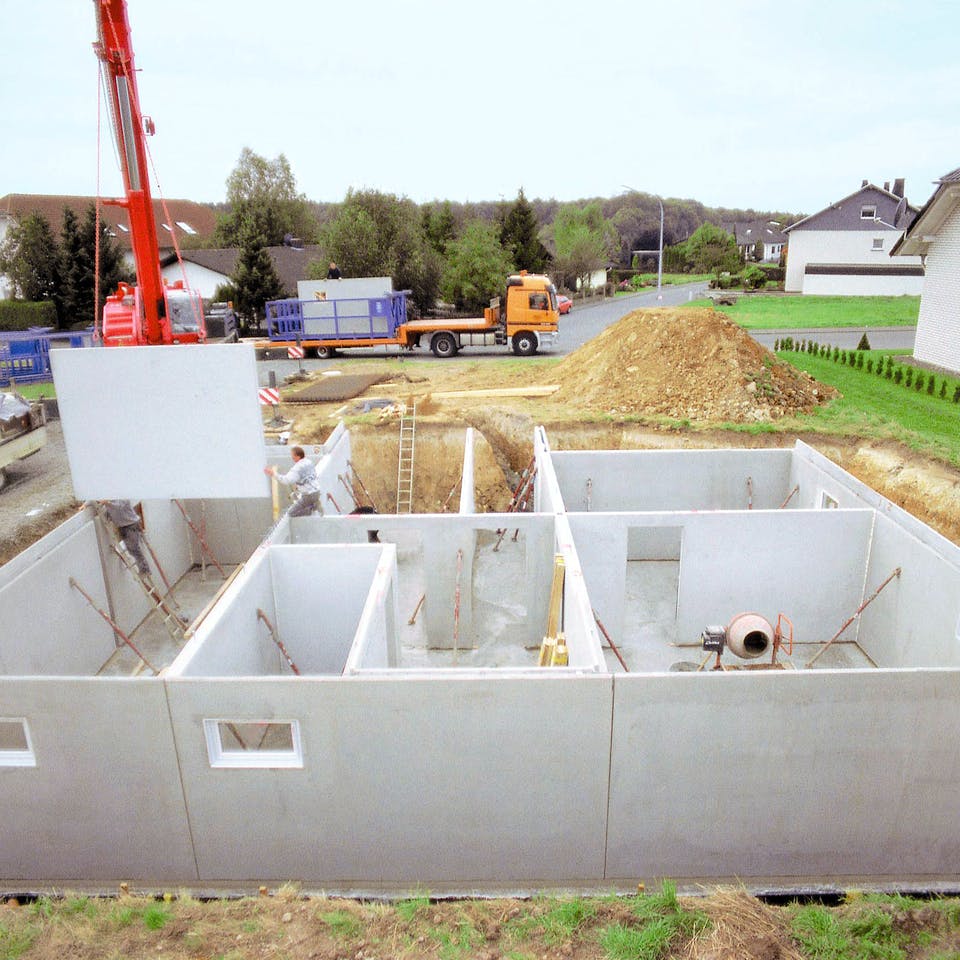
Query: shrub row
884, 367
23, 314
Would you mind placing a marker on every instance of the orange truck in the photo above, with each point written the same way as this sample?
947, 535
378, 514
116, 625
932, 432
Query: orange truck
527, 320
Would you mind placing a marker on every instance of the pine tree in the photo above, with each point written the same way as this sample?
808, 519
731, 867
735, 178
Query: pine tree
519, 236
255, 278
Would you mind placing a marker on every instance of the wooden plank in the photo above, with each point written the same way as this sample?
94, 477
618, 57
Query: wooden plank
544, 391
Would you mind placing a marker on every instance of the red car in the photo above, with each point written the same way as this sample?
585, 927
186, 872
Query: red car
564, 304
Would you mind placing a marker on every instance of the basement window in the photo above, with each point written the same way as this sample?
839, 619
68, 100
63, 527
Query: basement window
827, 502
253, 743
15, 747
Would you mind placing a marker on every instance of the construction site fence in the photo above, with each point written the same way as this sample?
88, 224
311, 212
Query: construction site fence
25, 355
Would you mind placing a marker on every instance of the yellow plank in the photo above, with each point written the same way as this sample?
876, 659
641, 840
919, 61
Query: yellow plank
501, 392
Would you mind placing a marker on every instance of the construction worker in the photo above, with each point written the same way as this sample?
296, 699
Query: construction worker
127, 521
303, 477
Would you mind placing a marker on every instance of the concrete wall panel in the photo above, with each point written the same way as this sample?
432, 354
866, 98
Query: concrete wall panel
104, 800
183, 420
672, 479
785, 775
62, 635
231, 528
404, 781
320, 593
915, 620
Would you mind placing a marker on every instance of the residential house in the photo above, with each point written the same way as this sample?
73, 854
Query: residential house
844, 249
765, 232
205, 270
180, 220
934, 236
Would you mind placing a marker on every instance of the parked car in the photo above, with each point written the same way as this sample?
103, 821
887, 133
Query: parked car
564, 304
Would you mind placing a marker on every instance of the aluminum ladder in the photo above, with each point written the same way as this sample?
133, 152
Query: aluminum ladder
408, 437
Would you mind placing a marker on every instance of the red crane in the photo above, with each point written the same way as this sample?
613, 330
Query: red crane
153, 311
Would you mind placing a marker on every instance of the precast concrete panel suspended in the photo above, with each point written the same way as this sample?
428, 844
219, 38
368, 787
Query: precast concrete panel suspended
161, 422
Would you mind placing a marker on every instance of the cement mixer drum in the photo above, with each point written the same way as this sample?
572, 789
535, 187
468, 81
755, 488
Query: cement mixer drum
749, 635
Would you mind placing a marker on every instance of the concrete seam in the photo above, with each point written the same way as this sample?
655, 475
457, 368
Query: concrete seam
606, 821
183, 788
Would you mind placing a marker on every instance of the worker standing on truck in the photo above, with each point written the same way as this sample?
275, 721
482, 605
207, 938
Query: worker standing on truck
303, 477
127, 521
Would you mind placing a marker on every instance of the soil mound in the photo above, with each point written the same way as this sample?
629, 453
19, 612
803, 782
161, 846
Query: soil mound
692, 364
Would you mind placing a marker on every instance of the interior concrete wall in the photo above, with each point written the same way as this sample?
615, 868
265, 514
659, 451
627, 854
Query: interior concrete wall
205, 439
547, 496
378, 640
232, 641
232, 528
320, 593
785, 775
672, 479
62, 635
585, 651
467, 477
915, 620
104, 799
809, 565
404, 780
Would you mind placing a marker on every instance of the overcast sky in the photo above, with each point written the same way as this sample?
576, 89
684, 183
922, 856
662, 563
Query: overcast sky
735, 103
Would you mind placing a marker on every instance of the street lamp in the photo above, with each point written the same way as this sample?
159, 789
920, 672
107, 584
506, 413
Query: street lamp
660, 248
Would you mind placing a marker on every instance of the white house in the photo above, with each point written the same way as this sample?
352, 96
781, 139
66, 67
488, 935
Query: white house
844, 249
765, 232
934, 236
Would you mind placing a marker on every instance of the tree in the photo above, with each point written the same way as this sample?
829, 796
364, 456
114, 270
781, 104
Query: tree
29, 256
583, 242
266, 190
255, 279
477, 267
439, 225
520, 237
712, 250
380, 235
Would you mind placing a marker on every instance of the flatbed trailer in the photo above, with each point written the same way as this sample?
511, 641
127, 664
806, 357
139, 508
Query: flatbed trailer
321, 327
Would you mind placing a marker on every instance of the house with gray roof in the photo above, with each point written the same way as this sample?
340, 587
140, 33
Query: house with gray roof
844, 248
749, 234
205, 270
934, 237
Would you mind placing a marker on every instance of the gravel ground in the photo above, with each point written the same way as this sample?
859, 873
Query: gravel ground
37, 487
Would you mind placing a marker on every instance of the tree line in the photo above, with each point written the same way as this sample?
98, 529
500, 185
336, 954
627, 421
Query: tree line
440, 251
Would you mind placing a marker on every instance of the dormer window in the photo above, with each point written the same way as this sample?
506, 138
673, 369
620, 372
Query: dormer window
868, 211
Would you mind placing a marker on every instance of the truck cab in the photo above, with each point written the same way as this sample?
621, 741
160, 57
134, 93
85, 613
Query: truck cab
530, 317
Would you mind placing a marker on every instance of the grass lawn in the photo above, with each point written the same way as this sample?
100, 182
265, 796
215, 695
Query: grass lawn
668, 278
758, 312
31, 391
873, 406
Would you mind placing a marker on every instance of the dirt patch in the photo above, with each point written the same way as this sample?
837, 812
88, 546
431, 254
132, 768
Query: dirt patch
685, 364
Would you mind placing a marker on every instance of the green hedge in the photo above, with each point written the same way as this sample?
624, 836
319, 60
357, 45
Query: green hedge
21, 314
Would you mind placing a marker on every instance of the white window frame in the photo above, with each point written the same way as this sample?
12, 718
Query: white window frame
877, 244
19, 758
252, 759
868, 211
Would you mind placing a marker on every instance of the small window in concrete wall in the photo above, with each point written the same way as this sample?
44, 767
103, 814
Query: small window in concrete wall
827, 502
15, 747
253, 743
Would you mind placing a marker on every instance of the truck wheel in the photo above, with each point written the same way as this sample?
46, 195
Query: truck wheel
444, 345
524, 344
325, 353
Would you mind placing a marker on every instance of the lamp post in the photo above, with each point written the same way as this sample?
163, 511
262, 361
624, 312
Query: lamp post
660, 248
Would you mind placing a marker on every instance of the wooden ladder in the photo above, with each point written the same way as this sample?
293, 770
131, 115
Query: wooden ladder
408, 437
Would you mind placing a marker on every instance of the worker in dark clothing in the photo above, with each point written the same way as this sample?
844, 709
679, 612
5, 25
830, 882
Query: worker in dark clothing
127, 521
334, 272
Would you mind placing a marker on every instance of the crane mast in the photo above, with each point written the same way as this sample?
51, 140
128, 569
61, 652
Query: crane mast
154, 312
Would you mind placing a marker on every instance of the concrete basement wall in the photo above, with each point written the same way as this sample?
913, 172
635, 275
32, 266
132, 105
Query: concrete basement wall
378, 643
785, 776
452, 780
547, 497
915, 620
232, 528
63, 635
672, 479
806, 564
104, 799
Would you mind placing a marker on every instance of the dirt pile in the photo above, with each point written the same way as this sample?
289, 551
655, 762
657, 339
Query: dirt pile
686, 364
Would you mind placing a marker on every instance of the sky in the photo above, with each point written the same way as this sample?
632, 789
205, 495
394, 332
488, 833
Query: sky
740, 103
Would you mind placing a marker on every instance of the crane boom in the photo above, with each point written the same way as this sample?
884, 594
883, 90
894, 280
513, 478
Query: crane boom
153, 312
